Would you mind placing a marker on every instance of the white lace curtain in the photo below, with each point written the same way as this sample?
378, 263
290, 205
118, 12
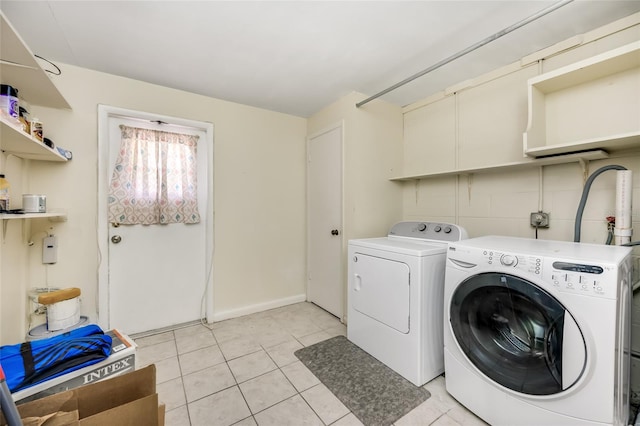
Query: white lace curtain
154, 179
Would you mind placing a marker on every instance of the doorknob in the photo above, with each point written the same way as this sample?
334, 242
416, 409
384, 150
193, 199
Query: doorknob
335, 232
116, 239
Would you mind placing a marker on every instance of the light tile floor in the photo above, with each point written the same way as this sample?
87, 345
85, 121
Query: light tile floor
243, 372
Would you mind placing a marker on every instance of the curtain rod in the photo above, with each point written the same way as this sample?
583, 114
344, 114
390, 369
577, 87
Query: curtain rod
158, 122
469, 49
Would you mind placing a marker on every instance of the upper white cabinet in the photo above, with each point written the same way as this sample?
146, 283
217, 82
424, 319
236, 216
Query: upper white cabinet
430, 138
592, 104
20, 69
485, 137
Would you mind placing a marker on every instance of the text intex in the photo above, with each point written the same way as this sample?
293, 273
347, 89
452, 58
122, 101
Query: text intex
107, 371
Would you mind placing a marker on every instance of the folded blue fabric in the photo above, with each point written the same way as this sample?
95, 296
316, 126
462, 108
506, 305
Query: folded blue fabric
29, 363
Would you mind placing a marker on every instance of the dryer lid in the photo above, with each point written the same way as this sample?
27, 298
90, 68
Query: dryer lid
401, 246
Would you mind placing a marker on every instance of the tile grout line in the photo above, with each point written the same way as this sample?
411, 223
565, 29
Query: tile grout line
262, 348
294, 387
235, 379
184, 389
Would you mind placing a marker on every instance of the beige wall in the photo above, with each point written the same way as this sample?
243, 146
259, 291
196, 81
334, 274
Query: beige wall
372, 154
372, 149
259, 170
479, 124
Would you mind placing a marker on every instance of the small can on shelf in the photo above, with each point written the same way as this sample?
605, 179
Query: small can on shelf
37, 129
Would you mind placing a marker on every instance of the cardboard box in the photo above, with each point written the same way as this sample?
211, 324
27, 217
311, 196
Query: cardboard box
126, 400
122, 360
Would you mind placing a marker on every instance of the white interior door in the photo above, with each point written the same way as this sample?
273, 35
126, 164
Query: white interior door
325, 285
158, 275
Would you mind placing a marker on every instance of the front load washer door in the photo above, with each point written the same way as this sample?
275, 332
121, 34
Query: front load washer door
517, 334
380, 290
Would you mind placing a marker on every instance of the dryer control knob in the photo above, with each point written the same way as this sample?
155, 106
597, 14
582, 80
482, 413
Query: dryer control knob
508, 260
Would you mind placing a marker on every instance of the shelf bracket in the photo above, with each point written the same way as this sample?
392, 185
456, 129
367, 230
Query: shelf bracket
25, 226
584, 164
26, 230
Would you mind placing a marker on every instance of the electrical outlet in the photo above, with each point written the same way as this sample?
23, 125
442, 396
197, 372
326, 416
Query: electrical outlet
50, 249
540, 220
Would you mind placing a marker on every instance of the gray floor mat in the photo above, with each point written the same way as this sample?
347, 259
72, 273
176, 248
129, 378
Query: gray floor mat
375, 394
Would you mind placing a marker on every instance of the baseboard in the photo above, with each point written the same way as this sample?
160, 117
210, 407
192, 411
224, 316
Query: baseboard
252, 309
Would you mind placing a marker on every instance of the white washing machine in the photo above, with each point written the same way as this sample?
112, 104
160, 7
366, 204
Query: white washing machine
537, 332
395, 297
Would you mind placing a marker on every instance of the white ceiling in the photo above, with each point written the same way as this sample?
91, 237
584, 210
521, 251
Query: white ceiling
297, 57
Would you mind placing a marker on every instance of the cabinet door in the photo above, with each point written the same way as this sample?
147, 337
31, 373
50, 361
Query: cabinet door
430, 138
492, 118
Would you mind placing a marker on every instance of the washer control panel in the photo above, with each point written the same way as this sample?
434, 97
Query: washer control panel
582, 278
568, 276
524, 263
438, 231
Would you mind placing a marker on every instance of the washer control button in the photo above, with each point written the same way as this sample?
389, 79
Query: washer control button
422, 227
438, 228
508, 260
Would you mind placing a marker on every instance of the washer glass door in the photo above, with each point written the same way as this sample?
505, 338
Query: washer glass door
515, 333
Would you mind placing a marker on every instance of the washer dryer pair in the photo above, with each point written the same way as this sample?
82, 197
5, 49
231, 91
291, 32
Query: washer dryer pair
538, 332
395, 293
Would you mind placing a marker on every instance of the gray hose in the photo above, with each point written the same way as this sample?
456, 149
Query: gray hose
585, 194
609, 237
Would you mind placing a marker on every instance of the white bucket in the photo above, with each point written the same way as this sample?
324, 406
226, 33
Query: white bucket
63, 314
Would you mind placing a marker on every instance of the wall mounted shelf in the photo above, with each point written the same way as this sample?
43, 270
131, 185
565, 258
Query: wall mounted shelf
546, 161
53, 215
20, 69
15, 141
591, 104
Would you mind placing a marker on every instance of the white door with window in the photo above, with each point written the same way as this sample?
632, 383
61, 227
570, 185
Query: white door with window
325, 286
158, 275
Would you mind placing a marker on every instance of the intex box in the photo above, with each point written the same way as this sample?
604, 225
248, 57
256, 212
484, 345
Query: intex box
129, 399
122, 360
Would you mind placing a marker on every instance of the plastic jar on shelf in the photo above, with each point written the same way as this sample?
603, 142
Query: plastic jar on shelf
9, 100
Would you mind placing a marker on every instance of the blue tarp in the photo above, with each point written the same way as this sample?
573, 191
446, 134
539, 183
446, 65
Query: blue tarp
27, 364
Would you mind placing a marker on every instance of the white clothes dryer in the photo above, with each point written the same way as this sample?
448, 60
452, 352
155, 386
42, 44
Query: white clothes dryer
395, 295
537, 332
